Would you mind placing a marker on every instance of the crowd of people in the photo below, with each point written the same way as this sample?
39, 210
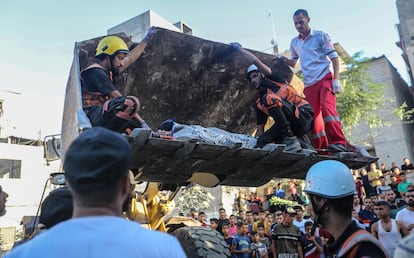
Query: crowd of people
364, 213
385, 210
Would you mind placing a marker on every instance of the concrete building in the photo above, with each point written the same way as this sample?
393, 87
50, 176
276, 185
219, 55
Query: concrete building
389, 143
23, 170
137, 26
405, 10
393, 143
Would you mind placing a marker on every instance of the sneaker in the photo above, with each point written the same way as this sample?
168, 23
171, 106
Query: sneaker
337, 148
292, 144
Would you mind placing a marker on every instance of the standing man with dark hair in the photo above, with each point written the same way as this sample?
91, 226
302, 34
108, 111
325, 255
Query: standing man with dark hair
382, 188
403, 184
97, 173
388, 231
280, 192
394, 203
286, 237
102, 102
249, 220
406, 215
313, 48
367, 214
407, 166
331, 187
240, 248
222, 219
299, 220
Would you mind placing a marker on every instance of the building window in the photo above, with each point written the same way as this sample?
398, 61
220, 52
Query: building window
10, 168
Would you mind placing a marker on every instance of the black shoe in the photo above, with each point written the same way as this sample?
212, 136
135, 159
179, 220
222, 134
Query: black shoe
337, 148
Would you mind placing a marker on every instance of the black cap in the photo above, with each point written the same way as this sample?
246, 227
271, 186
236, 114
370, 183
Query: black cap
96, 159
56, 207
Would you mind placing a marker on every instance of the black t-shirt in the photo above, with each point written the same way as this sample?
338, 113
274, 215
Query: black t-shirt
364, 248
97, 80
407, 167
229, 241
308, 245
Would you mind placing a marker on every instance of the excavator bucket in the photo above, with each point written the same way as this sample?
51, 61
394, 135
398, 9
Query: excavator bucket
196, 82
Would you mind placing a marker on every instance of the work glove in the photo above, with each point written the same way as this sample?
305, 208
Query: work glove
337, 87
235, 45
150, 34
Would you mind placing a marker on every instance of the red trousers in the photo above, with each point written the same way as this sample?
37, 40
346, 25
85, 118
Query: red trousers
327, 126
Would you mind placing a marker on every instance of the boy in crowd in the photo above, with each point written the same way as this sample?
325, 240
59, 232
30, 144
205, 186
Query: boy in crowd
232, 225
240, 248
202, 218
312, 245
264, 238
214, 223
226, 234
258, 249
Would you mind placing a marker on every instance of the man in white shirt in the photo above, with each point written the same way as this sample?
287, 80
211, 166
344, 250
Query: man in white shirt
388, 231
406, 215
96, 169
299, 221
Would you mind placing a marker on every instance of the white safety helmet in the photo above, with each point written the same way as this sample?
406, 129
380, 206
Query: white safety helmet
330, 179
251, 68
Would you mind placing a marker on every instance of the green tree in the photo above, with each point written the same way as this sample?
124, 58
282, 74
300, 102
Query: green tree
360, 96
404, 113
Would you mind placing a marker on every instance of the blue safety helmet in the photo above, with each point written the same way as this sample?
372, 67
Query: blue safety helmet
251, 68
330, 179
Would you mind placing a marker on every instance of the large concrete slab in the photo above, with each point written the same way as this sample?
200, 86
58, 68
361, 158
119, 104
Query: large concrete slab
197, 81
192, 80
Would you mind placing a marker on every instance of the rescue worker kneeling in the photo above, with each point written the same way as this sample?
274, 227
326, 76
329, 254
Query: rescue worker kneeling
102, 102
293, 115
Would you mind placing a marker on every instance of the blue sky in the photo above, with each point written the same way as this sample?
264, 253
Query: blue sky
37, 37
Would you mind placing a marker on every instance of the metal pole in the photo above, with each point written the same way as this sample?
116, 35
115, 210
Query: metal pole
273, 41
